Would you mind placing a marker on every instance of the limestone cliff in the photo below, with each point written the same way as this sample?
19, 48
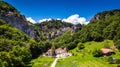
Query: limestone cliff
13, 17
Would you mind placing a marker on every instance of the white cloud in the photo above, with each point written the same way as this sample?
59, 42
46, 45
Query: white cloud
87, 22
75, 19
58, 19
31, 20
46, 19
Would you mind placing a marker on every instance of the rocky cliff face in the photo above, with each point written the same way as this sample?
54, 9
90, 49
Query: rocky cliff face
54, 28
13, 17
96, 17
105, 14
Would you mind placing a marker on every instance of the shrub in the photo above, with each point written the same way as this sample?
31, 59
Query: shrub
106, 44
22, 53
80, 46
117, 43
97, 53
118, 61
118, 65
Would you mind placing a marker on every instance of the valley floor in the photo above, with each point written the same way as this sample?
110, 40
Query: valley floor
80, 58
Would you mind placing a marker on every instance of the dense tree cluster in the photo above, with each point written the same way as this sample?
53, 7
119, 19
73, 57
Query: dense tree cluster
66, 40
12, 46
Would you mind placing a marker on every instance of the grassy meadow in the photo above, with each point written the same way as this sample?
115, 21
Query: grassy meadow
42, 61
84, 57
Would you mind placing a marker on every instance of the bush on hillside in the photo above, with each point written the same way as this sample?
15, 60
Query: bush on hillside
117, 43
80, 46
118, 65
9, 60
97, 53
106, 44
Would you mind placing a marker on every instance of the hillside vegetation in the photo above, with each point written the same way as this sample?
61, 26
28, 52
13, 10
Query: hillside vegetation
66, 40
17, 48
42, 61
104, 25
12, 46
85, 57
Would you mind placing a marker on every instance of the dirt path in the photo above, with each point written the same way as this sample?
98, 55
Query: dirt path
55, 62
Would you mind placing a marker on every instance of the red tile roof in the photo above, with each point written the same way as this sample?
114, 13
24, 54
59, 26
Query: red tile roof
106, 50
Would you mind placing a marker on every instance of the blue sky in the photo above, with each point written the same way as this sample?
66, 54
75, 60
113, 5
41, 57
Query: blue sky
40, 9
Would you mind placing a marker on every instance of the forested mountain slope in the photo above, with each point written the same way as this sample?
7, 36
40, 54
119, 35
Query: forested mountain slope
17, 44
104, 25
17, 48
13, 44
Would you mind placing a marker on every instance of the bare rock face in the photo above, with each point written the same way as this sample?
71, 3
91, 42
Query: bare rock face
20, 23
105, 14
96, 17
54, 28
13, 17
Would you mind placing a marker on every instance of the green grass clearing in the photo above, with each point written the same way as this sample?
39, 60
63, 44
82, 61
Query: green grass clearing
84, 57
42, 61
